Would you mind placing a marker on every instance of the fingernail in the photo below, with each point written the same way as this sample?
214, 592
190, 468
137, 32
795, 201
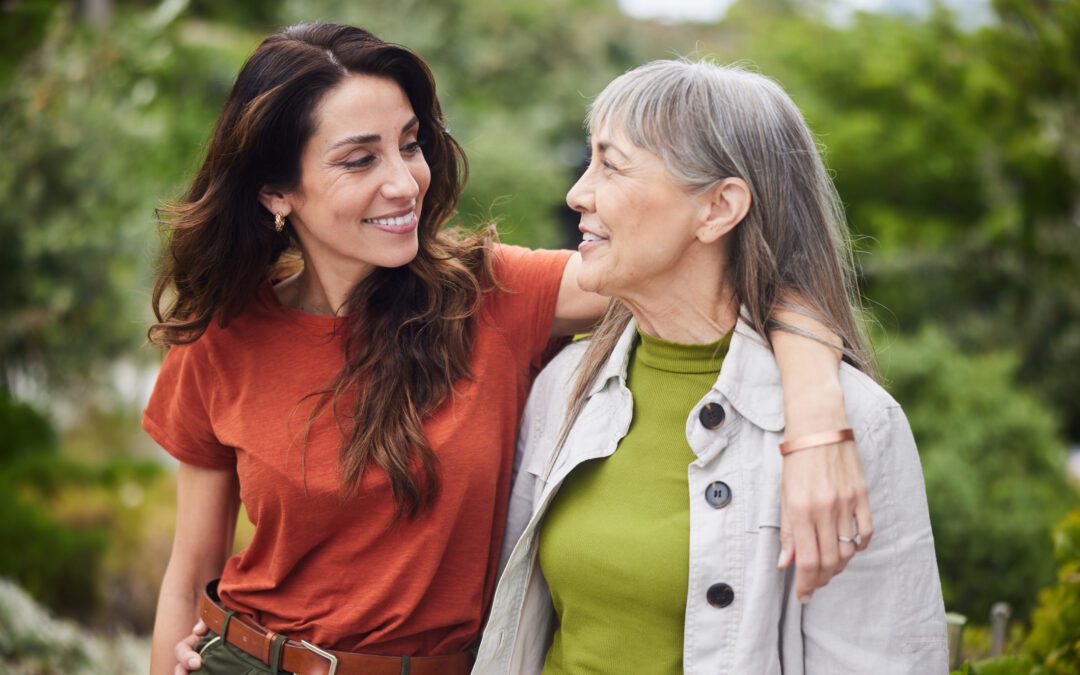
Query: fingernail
803, 599
193, 662
782, 558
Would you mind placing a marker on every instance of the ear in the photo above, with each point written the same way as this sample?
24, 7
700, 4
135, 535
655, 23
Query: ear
728, 203
275, 201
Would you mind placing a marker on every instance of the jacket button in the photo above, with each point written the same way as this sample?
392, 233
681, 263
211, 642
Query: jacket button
718, 494
720, 595
711, 415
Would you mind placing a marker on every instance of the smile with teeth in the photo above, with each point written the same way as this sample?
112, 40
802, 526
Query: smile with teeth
393, 222
589, 236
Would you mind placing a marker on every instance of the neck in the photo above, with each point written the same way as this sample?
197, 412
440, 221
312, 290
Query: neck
318, 291
696, 305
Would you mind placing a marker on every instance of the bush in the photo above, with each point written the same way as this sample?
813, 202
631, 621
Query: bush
69, 525
1002, 665
1054, 641
994, 466
56, 563
23, 431
1053, 645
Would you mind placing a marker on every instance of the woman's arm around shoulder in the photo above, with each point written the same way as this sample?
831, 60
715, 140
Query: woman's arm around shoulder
823, 491
207, 502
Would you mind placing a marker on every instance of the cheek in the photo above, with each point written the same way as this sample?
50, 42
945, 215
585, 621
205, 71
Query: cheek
349, 201
648, 236
422, 175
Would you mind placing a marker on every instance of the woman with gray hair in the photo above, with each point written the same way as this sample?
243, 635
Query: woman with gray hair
647, 494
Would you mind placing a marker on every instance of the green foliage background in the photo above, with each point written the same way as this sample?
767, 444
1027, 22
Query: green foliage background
957, 153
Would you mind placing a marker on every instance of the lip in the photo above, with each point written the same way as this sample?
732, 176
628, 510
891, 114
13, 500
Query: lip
584, 246
395, 214
405, 228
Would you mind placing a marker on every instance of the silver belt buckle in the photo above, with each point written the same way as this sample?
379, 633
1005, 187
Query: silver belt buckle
323, 653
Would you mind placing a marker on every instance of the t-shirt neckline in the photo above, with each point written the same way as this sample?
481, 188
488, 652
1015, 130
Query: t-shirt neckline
270, 298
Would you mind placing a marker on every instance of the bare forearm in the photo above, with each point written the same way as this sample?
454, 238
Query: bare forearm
176, 614
810, 372
825, 510
207, 504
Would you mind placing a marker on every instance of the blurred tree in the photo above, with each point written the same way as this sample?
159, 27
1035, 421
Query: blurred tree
22, 28
958, 157
99, 126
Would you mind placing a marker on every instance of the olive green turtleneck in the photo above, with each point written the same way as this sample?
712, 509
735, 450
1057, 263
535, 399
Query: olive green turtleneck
614, 546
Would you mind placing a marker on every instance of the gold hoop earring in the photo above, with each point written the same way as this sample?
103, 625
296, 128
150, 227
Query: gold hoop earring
279, 222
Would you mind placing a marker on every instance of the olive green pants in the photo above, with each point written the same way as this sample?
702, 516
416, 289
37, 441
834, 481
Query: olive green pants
221, 658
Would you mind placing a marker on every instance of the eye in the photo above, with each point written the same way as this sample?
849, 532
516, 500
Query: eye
412, 148
608, 165
360, 163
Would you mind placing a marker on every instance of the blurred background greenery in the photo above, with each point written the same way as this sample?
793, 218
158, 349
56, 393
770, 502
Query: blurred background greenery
954, 144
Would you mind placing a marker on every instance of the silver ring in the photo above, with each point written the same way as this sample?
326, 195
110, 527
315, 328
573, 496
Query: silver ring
850, 540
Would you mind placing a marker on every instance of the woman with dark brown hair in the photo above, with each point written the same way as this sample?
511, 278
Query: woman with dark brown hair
354, 374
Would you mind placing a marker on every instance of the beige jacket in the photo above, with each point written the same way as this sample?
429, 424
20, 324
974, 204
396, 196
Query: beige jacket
883, 614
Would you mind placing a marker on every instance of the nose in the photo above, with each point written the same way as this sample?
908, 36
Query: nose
399, 183
580, 196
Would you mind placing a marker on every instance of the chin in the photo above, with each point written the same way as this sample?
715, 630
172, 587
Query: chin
589, 284
400, 258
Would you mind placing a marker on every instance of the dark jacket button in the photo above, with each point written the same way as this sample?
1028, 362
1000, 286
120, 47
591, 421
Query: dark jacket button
720, 595
711, 415
718, 494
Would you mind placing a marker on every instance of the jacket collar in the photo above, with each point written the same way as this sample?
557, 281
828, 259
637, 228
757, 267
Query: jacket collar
617, 364
749, 378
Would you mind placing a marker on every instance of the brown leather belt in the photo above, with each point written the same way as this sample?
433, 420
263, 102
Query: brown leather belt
304, 658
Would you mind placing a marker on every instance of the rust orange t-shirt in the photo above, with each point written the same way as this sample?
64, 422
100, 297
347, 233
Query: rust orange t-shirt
344, 575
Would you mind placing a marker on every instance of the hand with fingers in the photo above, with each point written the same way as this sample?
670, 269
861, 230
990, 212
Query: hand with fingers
187, 659
825, 511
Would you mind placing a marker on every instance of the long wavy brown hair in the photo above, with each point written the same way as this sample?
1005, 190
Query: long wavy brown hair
408, 330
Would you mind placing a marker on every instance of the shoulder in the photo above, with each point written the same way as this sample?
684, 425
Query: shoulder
515, 265
864, 397
878, 420
205, 348
550, 393
556, 380
222, 340
546, 408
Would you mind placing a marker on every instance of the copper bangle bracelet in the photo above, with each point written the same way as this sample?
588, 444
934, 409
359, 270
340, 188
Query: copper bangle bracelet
818, 439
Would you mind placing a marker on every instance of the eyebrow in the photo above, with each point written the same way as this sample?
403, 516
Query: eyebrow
372, 138
604, 146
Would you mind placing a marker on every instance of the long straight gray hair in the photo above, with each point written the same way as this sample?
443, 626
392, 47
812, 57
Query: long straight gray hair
708, 122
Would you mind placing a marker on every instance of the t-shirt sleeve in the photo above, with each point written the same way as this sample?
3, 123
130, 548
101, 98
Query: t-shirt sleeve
178, 415
525, 306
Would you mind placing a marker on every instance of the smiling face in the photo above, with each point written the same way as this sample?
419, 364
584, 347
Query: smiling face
637, 222
362, 181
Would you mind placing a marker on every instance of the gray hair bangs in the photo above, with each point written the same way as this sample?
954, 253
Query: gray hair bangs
709, 122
